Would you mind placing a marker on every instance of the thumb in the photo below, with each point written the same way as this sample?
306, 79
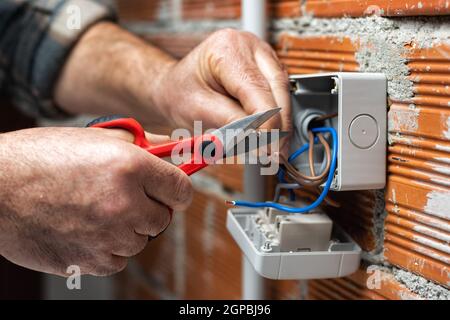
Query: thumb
157, 138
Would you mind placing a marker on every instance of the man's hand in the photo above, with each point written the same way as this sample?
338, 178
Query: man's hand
229, 75
86, 197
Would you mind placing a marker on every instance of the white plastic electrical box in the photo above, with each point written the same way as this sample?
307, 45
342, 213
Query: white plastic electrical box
286, 246
359, 99
310, 246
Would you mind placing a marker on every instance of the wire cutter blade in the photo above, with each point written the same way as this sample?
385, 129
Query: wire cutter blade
243, 132
251, 122
254, 141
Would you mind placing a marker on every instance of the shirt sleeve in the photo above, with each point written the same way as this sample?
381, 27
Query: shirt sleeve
36, 37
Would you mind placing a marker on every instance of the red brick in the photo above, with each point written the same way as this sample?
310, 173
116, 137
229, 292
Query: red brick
390, 8
362, 285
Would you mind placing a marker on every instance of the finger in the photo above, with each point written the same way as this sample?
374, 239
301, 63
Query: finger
152, 219
278, 80
243, 80
157, 138
109, 265
217, 110
130, 244
165, 183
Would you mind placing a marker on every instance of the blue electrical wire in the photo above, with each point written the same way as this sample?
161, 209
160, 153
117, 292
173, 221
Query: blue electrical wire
292, 157
325, 190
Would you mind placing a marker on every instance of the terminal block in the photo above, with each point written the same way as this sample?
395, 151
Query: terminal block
286, 246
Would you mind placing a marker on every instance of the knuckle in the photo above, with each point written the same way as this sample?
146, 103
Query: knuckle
231, 36
126, 164
110, 266
121, 160
114, 151
254, 78
134, 246
182, 190
140, 244
117, 205
251, 81
165, 220
281, 80
162, 220
121, 265
226, 34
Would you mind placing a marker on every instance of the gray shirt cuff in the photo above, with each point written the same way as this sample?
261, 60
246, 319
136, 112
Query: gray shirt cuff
62, 24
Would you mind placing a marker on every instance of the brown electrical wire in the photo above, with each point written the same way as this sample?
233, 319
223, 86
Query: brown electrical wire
316, 192
311, 154
312, 180
327, 148
295, 176
326, 117
324, 142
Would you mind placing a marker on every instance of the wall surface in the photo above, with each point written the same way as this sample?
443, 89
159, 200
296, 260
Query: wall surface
404, 229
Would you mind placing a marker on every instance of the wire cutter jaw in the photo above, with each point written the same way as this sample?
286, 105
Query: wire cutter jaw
236, 137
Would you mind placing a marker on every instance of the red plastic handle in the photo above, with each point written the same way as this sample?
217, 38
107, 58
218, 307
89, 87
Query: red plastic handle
193, 145
128, 124
165, 150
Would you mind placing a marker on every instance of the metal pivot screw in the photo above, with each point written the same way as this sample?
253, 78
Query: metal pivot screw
266, 247
335, 89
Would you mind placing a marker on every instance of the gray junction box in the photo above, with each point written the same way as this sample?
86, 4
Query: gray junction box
309, 246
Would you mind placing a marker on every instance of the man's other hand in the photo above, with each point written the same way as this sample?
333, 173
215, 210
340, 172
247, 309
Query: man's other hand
228, 76
85, 197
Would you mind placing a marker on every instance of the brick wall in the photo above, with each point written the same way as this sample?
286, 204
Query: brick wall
405, 228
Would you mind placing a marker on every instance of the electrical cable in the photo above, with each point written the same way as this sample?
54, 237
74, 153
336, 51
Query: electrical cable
315, 192
289, 186
295, 176
324, 164
326, 117
311, 153
325, 190
303, 179
281, 172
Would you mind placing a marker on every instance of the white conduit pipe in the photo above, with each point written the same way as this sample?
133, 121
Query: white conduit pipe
254, 19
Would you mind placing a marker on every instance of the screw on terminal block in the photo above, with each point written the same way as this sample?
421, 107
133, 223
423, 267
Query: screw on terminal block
266, 247
335, 89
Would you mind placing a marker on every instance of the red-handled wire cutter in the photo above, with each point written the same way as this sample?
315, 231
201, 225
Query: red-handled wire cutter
235, 138
230, 140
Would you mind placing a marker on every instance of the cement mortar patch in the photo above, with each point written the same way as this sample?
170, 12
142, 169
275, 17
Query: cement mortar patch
382, 42
421, 286
379, 216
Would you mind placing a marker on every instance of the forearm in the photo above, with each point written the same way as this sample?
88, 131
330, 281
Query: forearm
35, 40
111, 71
